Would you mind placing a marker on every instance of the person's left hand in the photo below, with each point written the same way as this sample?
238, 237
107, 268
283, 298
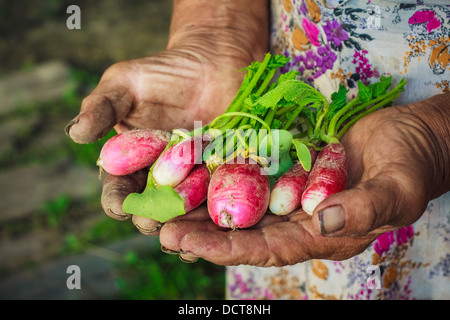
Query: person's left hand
392, 175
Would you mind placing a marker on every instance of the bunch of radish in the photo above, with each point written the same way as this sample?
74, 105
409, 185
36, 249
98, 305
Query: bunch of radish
274, 150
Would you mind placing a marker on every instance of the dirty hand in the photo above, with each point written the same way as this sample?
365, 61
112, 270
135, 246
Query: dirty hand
193, 80
397, 161
171, 89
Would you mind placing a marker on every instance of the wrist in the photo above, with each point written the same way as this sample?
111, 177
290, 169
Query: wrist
434, 117
239, 29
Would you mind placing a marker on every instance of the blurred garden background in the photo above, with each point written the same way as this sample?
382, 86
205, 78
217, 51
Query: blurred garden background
51, 215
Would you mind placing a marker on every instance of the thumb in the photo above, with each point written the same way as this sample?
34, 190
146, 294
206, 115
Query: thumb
373, 206
105, 107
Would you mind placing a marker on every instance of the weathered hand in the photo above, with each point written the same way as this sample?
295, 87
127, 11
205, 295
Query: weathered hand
171, 89
396, 163
274, 241
194, 79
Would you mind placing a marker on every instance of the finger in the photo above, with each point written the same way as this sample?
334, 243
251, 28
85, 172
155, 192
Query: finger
175, 229
105, 107
117, 188
374, 206
277, 244
280, 244
188, 257
269, 245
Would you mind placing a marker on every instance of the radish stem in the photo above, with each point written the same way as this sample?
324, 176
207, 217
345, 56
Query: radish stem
372, 109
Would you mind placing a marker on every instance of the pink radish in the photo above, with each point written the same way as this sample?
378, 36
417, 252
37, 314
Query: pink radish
328, 176
131, 151
287, 192
194, 189
238, 195
177, 161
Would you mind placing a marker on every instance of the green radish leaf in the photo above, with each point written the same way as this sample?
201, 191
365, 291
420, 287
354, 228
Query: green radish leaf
290, 75
160, 204
275, 61
258, 110
364, 92
278, 61
290, 90
379, 88
253, 67
276, 124
303, 154
311, 114
338, 100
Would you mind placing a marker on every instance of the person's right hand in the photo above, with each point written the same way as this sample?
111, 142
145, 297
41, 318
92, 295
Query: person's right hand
193, 81
397, 161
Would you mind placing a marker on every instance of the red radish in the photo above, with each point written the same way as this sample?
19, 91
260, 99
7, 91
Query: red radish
328, 176
131, 151
238, 195
287, 192
194, 189
177, 161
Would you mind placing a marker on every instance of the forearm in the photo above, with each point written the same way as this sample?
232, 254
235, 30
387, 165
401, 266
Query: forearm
241, 27
434, 115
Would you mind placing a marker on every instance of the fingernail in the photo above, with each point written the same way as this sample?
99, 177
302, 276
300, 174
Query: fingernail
188, 258
169, 251
116, 216
69, 125
332, 219
146, 230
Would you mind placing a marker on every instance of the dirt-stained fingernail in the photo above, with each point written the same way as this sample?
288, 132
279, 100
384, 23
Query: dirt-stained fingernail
145, 225
116, 216
332, 219
169, 251
188, 258
70, 124
147, 230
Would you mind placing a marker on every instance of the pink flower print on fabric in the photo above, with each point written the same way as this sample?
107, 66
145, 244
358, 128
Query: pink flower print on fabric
246, 290
363, 67
428, 16
384, 241
311, 31
286, 25
404, 234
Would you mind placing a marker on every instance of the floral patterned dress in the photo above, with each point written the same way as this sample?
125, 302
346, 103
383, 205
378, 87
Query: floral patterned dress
332, 42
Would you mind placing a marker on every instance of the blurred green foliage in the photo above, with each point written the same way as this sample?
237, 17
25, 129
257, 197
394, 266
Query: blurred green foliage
103, 232
151, 274
55, 209
155, 275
